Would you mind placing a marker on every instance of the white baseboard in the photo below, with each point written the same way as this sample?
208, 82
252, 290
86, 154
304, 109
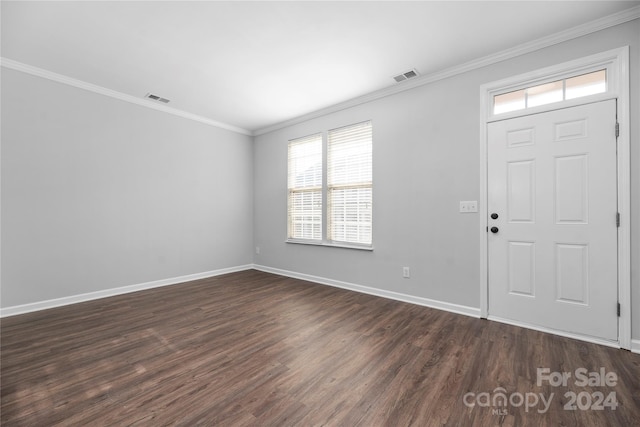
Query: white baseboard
440, 305
58, 302
575, 336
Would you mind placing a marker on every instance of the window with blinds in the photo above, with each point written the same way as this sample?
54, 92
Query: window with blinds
305, 188
350, 184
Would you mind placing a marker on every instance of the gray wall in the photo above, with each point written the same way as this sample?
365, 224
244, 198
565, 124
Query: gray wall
426, 159
98, 193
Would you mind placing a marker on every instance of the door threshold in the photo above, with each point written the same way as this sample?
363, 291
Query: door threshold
573, 335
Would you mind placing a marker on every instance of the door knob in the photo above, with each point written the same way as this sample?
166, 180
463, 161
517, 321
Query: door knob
494, 216
494, 230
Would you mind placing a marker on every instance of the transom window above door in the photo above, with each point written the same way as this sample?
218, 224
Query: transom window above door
551, 92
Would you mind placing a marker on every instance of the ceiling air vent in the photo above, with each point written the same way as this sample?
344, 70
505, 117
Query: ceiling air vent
157, 98
404, 76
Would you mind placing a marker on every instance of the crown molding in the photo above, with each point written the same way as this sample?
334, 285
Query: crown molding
46, 74
553, 39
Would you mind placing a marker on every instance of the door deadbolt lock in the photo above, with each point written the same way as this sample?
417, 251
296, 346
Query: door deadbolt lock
494, 216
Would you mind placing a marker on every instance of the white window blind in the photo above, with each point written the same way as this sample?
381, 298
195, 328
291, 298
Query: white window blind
349, 184
305, 188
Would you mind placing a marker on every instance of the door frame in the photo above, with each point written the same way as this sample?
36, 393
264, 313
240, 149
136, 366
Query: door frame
616, 61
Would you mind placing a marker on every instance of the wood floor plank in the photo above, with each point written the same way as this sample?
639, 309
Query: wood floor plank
257, 349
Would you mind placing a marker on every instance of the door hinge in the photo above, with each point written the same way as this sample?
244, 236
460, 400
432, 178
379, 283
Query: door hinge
618, 309
617, 129
617, 219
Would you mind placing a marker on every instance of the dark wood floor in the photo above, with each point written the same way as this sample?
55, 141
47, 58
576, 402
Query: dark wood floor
255, 349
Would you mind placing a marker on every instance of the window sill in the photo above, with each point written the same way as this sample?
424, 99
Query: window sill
330, 244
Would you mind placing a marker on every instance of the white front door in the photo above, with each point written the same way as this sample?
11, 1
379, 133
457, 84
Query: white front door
552, 206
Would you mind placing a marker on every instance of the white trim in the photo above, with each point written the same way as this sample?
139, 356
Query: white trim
624, 202
143, 102
74, 299
572, 335
553, 39
440, 305
330, 244
618, 62
426, 302
482, 209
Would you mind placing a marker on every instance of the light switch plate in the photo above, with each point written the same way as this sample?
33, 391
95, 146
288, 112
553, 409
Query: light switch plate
468, 206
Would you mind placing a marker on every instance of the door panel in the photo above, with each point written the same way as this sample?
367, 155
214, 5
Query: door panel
553, 257
521, 182
522, 263
571, 196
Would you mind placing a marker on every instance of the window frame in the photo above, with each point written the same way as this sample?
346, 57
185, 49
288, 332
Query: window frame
312, 138
326, 241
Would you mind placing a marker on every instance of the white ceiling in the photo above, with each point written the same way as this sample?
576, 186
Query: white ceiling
256, 64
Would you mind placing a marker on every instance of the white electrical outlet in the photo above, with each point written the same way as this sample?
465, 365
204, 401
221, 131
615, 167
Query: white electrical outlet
469, 206
406, 272
257, 250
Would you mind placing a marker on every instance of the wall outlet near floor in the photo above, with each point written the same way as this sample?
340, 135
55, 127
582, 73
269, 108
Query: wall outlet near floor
406, 272
469, 206
257, 250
